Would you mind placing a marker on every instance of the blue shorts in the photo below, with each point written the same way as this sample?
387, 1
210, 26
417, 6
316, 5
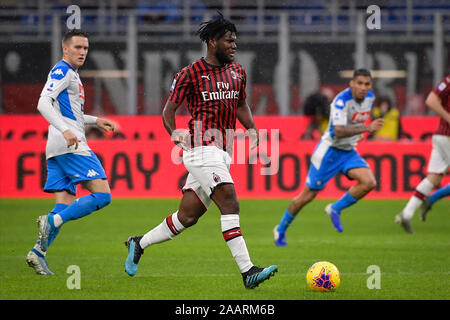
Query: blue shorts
65, 171
327, 161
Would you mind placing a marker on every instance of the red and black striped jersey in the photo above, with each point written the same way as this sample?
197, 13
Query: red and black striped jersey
443, 92
213, 94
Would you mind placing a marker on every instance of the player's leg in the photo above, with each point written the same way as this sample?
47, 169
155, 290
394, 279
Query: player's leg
191, 208
194, 203
224, 196
295, 206
64, 193
356, 168
99, 198
209, 168
85, 169
436, 196
325, 163
188, 213
437, 167
63, 200
422, 191
439, 194
365, 183
417, 199
36, 256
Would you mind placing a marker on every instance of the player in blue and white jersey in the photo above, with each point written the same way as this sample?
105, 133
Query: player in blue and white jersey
70, 161
336, 153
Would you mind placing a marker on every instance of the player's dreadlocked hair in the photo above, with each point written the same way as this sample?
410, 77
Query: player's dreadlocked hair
215, 28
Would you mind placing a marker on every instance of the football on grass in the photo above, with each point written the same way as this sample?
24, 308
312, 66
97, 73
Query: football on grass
323, 276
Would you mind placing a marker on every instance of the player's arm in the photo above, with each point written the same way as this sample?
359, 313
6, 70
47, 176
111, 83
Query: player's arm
104, 124
179, 136
244, 115
45, 107
339, 112
434, 103
180, 88
346, 131
58, 81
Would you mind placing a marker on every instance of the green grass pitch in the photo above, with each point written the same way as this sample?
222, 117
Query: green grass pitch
198, 264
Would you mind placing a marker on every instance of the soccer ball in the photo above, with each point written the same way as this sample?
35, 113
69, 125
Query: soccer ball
323, 275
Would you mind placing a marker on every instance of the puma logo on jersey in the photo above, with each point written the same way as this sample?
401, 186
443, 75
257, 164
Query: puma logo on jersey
207, 77
92, 173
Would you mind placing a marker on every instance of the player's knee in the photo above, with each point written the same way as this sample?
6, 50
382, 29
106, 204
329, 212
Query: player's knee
370, 184
102, 199
304, 198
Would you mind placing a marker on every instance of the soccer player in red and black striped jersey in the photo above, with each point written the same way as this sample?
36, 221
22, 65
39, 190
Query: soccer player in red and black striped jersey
215, 96
438, 100
214, 88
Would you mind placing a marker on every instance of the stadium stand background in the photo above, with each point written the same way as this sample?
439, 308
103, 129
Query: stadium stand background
291, 50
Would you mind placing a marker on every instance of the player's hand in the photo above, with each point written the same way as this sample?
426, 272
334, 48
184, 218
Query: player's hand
71, 139
254, 137
106, 125
376, 125
181, 137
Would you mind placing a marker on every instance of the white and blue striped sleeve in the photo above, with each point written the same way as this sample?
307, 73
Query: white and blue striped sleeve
339, 112
58, 80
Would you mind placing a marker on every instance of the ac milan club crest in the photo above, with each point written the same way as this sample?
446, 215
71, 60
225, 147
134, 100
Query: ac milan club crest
216, 178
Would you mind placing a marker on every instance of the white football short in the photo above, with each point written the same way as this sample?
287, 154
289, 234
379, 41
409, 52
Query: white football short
440, 156
208, 166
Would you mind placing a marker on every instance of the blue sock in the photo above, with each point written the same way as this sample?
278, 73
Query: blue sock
345, 201
56, 209
85, 205
285, 221
439, 194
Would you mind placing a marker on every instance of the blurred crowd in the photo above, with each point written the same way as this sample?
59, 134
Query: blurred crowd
317, 108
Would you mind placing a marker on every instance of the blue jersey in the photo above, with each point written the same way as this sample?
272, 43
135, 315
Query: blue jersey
66, 90
346, 111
